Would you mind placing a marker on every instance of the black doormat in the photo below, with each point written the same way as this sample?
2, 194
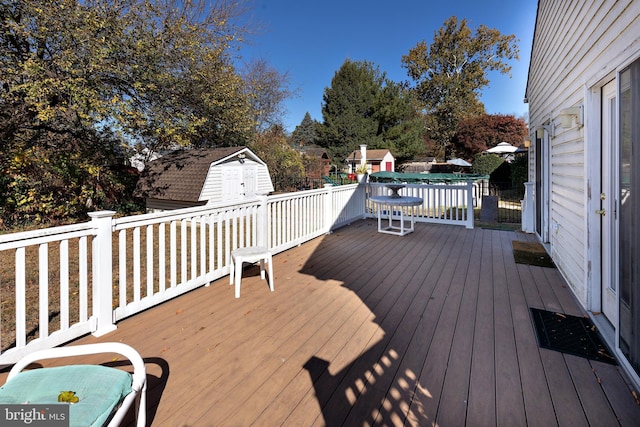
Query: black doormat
531, 253
570, 334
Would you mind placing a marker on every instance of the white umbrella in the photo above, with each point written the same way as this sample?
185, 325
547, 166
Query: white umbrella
458, 162
502, 148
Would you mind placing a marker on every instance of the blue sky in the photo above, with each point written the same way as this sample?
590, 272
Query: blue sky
310, 40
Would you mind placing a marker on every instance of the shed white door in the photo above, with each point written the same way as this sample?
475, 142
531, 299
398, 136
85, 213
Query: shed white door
238, 182
249, 178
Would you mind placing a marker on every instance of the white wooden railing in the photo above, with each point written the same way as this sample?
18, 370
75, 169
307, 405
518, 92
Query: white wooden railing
110, 268
122, 266
442, 203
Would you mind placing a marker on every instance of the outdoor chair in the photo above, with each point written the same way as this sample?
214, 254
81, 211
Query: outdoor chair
104, 394
251, 254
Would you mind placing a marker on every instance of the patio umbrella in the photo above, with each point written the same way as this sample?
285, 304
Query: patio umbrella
458, 162
502, 148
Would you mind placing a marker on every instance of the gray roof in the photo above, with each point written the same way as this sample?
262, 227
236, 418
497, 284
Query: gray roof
377, 154
180, 175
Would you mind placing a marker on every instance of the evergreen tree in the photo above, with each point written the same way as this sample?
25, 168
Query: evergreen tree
400, 125
305, 133
362, 106
348, 109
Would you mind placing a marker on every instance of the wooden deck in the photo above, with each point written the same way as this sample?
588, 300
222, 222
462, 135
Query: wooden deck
364, 328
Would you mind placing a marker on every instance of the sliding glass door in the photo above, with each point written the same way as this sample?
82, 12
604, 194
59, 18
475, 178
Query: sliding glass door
629, 214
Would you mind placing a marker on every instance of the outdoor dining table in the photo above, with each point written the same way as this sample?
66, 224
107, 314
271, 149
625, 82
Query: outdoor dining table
391, 202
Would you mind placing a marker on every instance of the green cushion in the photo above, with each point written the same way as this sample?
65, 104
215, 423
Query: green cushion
99, 389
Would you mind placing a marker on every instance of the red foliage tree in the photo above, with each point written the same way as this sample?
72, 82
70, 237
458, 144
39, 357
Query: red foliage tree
477, 134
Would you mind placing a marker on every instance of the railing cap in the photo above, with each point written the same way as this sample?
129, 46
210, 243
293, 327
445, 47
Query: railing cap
101, 214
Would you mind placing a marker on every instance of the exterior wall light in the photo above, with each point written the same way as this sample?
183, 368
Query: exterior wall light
550, 128
567, 116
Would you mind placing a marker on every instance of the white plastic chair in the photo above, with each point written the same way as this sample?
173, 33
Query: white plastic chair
42, 385
251, 254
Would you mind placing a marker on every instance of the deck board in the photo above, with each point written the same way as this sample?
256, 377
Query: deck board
364, 328
452, 409
538, 405
510, 409
443, 307
482, 392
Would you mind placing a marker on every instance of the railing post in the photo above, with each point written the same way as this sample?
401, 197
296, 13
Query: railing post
328, 208
263, 222
470, 217
527, 208
102, 272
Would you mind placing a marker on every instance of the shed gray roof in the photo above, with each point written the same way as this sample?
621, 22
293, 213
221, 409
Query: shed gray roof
180, 175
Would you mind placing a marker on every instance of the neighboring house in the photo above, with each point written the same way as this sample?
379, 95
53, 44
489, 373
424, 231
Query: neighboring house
323, 167
140, 159
583, 92
376, 160
186, 178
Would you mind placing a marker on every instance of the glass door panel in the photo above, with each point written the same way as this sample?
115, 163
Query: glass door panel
628, 211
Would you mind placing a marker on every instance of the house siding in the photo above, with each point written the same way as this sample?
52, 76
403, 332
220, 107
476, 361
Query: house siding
577, 46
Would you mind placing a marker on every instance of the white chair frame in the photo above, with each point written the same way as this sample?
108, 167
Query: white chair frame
139, 376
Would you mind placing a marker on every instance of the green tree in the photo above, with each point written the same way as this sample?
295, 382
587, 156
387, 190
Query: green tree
305, 133
79, 78
348, 109
450, 74
400, 125
362, 106
485, 164
285, 164
520, 171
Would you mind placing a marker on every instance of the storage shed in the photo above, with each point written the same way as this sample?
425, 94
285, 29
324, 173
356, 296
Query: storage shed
186, 178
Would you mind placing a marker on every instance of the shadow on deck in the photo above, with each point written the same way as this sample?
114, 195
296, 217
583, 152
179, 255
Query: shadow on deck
367, 328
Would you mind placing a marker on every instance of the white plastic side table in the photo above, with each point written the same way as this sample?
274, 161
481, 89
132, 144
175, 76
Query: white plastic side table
390, 202
250, 254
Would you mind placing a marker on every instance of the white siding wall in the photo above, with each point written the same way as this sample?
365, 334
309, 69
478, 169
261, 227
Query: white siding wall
264, 183
212, 188
578, 46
